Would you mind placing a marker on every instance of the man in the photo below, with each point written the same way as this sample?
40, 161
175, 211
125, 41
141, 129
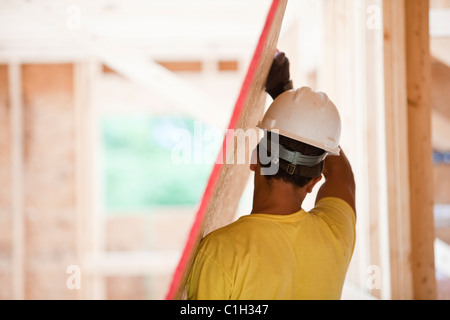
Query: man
280, 251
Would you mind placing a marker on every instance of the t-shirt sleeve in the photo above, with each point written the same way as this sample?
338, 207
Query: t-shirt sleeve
339, 214
207, 280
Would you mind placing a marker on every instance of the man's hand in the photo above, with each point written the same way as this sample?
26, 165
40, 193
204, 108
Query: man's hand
278, 80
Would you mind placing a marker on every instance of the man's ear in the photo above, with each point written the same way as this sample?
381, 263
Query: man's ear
310, 185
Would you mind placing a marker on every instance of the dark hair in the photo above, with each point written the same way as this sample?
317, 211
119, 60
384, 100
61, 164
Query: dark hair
294, 145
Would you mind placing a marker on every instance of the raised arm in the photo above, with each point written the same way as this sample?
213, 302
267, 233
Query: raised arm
338, 174
339, 180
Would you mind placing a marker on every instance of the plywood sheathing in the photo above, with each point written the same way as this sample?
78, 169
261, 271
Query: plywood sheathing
222, 206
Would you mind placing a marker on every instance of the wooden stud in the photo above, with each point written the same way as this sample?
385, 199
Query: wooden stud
182, 66
419, 147
228, 65
90, 214
409, 149
368, 86
17, 189
83, 172
351, 76
397, 169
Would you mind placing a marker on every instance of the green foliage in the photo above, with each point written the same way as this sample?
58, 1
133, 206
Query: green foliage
139, 171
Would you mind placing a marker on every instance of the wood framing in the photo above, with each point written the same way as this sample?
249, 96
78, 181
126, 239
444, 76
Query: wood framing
409, 149
352, 76
369, 120
386, 115
418, 71
397, 169
17, 189
89, 230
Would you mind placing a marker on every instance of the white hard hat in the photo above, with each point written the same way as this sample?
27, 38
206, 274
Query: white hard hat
305, 115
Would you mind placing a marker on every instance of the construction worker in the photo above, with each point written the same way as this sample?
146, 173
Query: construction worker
280, 251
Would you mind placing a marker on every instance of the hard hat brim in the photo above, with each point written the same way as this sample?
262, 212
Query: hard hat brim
334, 151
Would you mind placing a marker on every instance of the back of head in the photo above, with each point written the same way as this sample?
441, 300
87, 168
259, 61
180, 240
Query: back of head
298, 175
304, 125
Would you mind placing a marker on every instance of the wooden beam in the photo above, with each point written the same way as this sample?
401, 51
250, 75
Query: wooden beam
90, 233
409, 149
17, 190
420, 147
182, 66
85, 232
351, 75
228, 65
371, 149
178, 93
397, 168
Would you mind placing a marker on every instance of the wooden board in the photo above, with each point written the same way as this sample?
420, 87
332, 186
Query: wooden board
397, 167
409, 149
420, 150
227, 181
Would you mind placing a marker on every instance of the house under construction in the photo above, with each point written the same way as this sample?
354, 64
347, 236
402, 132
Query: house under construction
82, 217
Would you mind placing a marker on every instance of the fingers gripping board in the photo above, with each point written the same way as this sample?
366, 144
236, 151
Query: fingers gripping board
227, 180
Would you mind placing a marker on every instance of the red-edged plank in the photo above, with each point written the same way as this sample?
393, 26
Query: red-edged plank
248, 105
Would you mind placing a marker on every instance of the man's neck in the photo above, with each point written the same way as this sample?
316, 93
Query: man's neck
277, 197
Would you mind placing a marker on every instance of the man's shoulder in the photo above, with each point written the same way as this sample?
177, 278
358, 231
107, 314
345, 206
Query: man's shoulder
337, 213
333, 204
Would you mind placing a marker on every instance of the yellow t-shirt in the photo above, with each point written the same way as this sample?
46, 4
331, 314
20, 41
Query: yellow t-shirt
304, 255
